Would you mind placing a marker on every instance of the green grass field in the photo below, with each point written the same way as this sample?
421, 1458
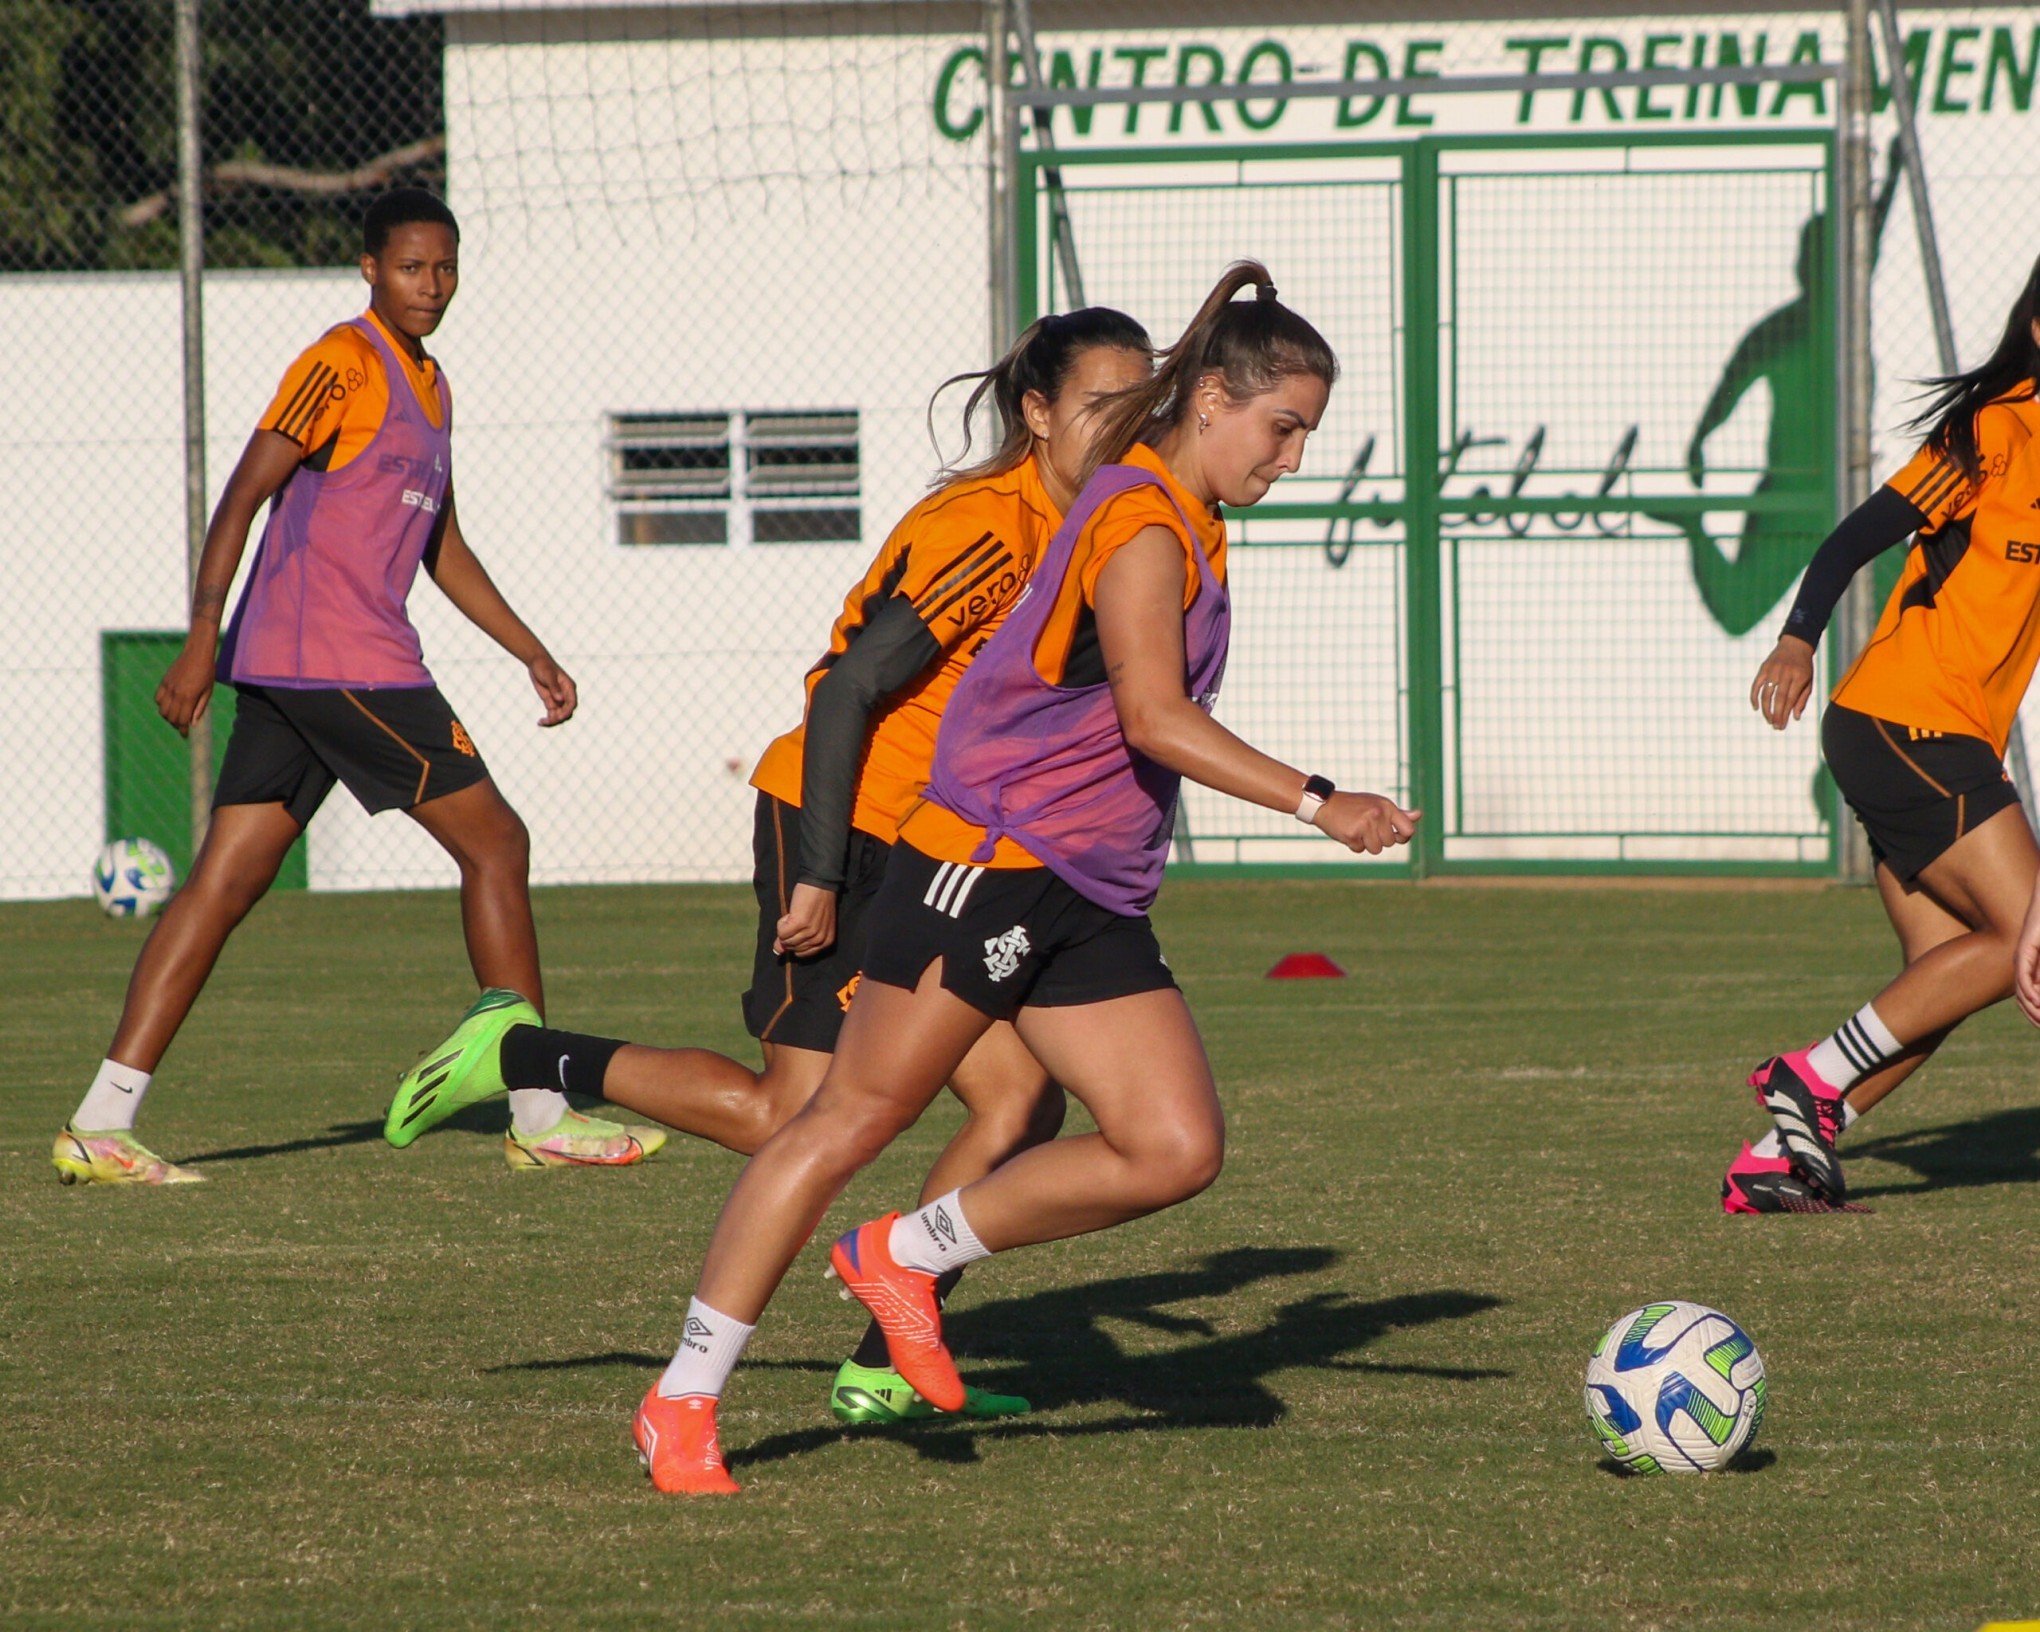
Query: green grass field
342, 1386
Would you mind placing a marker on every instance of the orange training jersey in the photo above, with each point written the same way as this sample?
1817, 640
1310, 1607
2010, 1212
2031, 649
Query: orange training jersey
1959, 638
1067, 653
961, 556
333, 398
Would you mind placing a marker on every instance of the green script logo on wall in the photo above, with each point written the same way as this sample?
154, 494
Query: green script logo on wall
1952, 70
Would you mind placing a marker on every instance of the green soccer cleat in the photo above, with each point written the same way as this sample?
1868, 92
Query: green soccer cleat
578, 1140
878, 1395
116, 1157
462, 1071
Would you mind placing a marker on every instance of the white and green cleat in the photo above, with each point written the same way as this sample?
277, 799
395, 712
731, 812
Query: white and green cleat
577, 1140
878, 1396
464, 1070
114, 1157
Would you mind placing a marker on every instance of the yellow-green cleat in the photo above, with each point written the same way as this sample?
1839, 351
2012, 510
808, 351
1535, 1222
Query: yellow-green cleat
577, 1140
464, 1070
114, 1157
868, 1395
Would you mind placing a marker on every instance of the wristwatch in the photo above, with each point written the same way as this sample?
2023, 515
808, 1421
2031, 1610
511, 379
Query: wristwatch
1316, 790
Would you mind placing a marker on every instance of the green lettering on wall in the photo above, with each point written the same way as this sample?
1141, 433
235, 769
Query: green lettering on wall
1916, 44
1600, 53
1062, 74
1276, 52
1731, 56
1534, 48
1138, 56
1215, 64
957, 129
1360, 53
2004, 59
1953, 68
1699, 61
1804, 49
1653, 47
1413, 67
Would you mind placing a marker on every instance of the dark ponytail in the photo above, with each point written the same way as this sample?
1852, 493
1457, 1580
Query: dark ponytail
1250, 345
1041, 360
1949, 419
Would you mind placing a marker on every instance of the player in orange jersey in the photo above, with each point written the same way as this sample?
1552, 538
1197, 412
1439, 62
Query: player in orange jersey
1915, 736
356, 454
831, 794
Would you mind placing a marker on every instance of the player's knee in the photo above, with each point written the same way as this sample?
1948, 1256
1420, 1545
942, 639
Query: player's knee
1046, 1114
229, 889
1183, 1163
499, 844
1011, 1123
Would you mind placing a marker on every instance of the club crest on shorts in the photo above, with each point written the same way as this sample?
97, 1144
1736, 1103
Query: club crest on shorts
1004, 952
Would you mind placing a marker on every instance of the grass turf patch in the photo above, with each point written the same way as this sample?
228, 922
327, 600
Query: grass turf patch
341, 1385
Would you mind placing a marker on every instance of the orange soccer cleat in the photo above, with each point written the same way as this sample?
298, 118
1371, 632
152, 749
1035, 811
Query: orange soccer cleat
676, 1441
902, 1301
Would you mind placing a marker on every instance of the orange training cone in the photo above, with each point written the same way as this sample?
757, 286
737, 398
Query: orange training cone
1306, 966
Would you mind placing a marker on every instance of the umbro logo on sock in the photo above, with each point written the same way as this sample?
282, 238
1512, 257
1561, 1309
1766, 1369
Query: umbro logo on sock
698, 1331
944, 1226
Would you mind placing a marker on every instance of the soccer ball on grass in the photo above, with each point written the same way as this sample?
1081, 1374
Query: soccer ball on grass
1675, 1388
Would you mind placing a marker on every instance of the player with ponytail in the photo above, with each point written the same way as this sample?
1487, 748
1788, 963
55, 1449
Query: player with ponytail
1019, 888
1915, 736
831, 793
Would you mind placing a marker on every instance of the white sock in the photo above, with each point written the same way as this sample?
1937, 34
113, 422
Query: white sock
113, 1099
937, 1237
1772, 1145
535, 1111
1858, 1046
708, 1353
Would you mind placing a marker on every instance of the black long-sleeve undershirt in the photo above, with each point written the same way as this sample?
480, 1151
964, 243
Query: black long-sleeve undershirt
891, 648
1866, 532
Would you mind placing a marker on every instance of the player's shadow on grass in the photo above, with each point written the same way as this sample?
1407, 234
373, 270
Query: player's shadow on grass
2001, 1148
340, 1133
483, 1118
1058, 1349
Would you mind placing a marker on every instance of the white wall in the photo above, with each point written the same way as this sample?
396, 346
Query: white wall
661, 217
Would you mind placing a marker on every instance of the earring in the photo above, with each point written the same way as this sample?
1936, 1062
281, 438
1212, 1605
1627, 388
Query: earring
1204, 422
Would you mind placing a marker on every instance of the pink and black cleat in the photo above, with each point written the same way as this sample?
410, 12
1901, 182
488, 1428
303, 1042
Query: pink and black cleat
1808, 1115
1767, 1184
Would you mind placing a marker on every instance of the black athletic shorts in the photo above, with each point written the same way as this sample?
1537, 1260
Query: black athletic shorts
1007, 937
393, 748
801, 1001
1915, 792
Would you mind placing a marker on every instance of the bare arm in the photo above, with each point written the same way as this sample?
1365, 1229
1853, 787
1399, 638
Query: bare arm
266, 464
1140, 629
467, 584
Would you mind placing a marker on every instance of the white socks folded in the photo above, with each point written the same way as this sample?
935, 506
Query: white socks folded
1857, 1047
936, 1238
113, 1099
709, 1350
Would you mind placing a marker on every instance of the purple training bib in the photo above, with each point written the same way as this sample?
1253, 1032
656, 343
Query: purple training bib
325, 599
1048, 766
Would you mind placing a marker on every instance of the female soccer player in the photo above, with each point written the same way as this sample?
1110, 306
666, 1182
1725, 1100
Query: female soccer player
1915, 736
332, 686
830, 797
1020, 885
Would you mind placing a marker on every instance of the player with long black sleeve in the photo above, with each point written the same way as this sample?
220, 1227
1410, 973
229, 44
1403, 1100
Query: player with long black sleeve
831, 794
1915, 737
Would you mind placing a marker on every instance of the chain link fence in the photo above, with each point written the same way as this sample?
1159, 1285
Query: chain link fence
717, 258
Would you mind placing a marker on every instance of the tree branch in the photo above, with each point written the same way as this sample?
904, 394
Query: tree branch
236, 173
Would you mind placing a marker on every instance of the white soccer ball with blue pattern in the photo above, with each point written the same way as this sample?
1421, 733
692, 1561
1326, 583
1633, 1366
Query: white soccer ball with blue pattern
1675, 1388
132, 878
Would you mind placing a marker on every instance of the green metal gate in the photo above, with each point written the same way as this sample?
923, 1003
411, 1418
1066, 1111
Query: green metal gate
1580, 452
